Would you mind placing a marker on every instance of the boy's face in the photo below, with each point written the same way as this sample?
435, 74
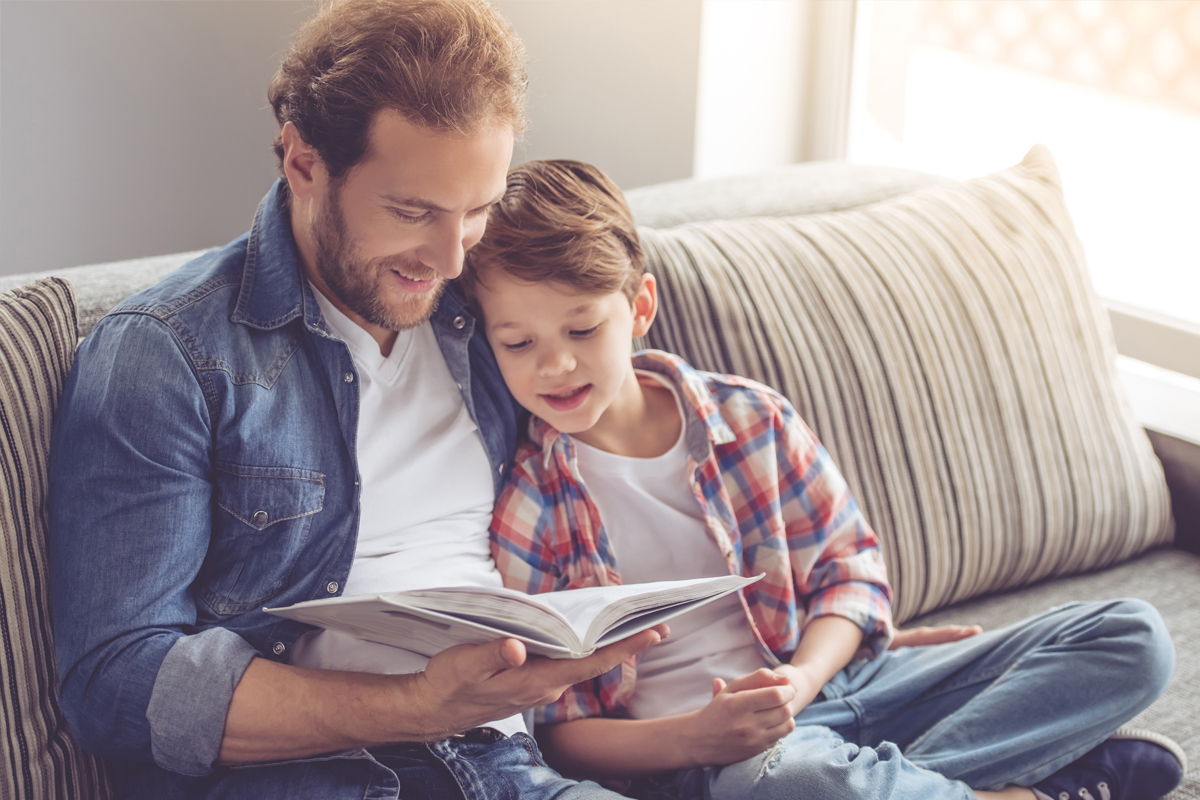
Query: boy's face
564, 355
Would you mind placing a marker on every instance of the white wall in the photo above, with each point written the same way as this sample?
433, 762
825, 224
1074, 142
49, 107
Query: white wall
774, 83
131, 128
749, 111
612, 82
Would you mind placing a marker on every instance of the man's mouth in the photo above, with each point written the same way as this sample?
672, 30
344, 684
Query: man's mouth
427, 282
568, 398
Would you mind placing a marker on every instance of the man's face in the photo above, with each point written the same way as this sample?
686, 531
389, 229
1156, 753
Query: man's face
394, 229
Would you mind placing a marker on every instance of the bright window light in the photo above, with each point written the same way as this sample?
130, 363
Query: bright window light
965, 87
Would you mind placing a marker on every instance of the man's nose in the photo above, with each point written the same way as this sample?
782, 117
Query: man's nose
443, 250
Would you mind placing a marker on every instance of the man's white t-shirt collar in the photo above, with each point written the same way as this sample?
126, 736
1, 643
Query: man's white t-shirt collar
427, 490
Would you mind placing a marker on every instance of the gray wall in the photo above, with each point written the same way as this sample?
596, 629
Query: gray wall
132, 128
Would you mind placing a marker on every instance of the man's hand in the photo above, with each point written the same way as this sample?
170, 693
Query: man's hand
280, 712
920, 637
468, 685
744, 718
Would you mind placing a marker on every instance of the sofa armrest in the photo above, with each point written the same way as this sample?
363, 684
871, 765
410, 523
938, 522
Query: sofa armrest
1181, 466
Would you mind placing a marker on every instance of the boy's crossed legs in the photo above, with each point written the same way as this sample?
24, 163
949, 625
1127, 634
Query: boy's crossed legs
1007, 707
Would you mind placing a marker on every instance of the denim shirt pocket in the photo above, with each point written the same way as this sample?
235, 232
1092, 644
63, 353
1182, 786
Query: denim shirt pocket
261, 521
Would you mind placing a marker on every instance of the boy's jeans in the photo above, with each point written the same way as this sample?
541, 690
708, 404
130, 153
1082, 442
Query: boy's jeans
1009, 706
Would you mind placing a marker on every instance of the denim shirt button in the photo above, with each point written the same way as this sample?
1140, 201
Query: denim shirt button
460, 322
500, 469
279, 648
331, 587
348, 377
260, 518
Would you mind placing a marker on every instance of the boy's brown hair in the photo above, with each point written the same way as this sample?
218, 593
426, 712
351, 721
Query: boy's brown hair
559, 221
449, 65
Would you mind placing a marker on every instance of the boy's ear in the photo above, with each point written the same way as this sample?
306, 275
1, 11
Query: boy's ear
645, 304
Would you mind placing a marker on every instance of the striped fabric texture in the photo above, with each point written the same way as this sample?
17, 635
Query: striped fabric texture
40, 759
947, 349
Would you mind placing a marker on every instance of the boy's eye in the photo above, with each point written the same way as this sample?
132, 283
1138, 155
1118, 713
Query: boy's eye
585, 332
516, 347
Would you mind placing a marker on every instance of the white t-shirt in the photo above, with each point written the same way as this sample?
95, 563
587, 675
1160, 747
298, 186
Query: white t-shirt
427, 491
658, 533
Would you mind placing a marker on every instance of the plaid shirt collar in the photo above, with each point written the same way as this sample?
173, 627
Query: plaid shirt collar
703, 424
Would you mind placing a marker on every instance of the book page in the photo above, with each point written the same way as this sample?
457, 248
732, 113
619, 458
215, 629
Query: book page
556, 624
580, 607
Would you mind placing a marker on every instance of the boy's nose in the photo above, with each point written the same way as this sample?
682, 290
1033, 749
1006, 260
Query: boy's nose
556, 362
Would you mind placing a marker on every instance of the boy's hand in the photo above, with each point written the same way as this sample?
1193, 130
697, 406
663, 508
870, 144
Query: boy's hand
744, 718
805, 685
469, 685
920, 637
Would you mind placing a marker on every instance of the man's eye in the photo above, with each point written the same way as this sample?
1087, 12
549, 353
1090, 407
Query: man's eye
585, 333
406, 217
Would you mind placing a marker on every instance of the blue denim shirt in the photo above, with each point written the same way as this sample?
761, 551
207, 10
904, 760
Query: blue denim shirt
203, 466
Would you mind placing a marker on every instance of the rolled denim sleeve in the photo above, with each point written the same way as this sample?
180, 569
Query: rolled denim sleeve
130, 515
191, 696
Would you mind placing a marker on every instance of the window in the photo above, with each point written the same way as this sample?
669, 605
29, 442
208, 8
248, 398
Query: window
962, 88
965, 87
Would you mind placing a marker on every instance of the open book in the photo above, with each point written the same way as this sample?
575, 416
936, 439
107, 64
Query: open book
569, 624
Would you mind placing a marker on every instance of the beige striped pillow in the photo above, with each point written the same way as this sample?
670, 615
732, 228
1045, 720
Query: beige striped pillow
947, 348
38, 332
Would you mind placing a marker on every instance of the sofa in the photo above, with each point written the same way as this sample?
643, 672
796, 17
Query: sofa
940, 337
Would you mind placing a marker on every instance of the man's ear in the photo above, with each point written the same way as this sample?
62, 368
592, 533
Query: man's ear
302, 166
645, 304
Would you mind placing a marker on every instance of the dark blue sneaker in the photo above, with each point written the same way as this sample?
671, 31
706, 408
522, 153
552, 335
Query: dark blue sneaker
1130, 765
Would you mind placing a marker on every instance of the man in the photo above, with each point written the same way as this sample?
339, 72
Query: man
303, 413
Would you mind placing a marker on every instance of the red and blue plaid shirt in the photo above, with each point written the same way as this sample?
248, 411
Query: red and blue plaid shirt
772, 500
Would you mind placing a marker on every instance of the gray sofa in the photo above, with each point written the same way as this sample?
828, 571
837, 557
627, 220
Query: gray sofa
956, 366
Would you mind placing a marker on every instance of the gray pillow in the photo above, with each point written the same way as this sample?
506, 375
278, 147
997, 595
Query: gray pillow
948, 350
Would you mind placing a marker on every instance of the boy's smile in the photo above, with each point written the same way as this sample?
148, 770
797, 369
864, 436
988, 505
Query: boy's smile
566, 355
569, 398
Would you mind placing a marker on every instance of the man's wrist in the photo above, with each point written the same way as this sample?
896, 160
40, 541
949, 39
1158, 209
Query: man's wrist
431, 715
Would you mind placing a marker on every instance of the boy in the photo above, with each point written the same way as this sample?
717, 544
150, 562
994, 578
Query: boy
647, 469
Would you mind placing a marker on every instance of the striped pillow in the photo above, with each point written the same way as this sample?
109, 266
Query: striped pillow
948, 350
37, 343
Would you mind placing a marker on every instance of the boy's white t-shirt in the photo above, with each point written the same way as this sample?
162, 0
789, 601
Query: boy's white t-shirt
658, 533
427, 491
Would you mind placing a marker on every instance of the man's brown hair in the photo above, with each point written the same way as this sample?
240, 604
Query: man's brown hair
560, 221
449, 65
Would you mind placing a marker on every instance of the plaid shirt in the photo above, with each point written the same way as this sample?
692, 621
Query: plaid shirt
767, 490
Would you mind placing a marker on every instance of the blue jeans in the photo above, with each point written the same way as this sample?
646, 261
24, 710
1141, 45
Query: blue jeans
1009, 706
509, 769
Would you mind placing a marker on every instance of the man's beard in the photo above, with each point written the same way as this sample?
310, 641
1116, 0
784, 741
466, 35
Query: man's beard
360, 283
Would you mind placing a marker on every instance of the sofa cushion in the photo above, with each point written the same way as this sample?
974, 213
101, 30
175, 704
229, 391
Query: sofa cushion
99, 287
807, 188
38, 331
948, 350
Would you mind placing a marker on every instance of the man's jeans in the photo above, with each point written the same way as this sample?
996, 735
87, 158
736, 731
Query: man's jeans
1009, 706
508, 769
